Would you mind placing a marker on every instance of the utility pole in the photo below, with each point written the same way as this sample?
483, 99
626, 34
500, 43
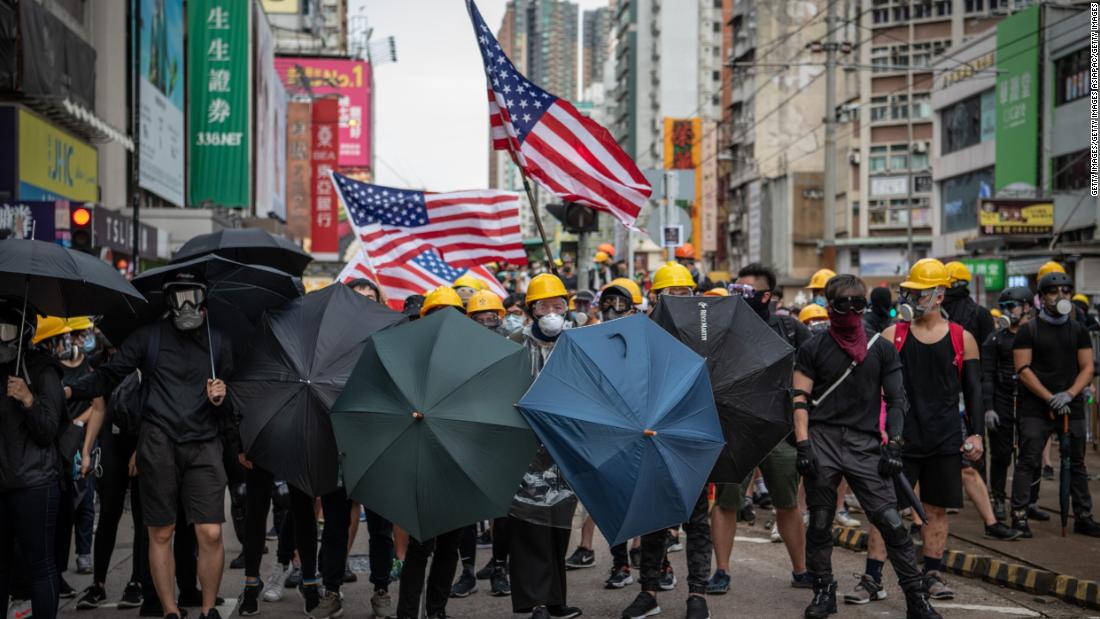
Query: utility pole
909, 159
830, 130
135, 191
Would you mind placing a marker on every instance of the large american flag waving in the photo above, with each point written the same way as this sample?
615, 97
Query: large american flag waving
570, 155
417, 275
466, 228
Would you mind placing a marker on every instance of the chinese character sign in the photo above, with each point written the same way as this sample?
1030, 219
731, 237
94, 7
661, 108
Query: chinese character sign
350, 79
299, 168
1017, 125
324, 232
219, 109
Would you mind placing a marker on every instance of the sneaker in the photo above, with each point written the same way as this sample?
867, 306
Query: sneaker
238, 562
249, 602
330, 606
1085, 525
1034, 513
824, 600
381, 604
564, 612
635, 558
93, 597
485, 539
486, 572
802, 581
213, 614
917, 606
867, 590
349, 576
465, 585
763, 499
937, 586
272, 534
1001, 532
697, 607
645, 605
674, 544
67, 590
498, 581
540, 613
580, 559
620, 577
311, 597
667, 579
1048, 471
845, 520
293, 577
999, 509
776, 537
747, 514
1019, 523
273, 586
131, 596
20, 609
84, 564
395, 569
719, 584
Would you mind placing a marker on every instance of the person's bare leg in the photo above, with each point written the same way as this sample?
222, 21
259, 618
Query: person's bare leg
588, 531
793, 533
934, 531
211, 562
162, 567
978, 493
723, 528
353, 527
400, 542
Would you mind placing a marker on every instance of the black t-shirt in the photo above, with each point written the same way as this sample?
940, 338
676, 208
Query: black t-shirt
856, 402
1053, 359
69, 375
934, 425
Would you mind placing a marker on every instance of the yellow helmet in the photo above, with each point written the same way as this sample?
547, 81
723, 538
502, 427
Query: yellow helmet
672, 275
545, 286
812, 311
468, 281
717, 292
927, 273
821, 278
484, 301
957, 271
50, 326
1050, 266
80, 323
440, 297
996, 313
1081, 298
601, 256
628, 285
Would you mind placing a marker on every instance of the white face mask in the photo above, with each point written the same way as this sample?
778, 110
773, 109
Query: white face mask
1064, 307
513, 322
551, 324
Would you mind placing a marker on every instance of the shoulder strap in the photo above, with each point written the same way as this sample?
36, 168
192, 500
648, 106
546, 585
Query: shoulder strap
901, 332
847, 372
958, 343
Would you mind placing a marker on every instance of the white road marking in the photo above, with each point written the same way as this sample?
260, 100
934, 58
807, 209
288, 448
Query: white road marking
753, 540
1015, 611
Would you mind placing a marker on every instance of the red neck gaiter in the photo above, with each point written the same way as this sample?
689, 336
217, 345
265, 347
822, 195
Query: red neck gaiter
848, 333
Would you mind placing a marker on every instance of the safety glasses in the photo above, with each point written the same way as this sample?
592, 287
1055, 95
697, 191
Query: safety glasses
1066, 290
745, 291
614, 302
8, 332
542, 307
909, 295
487, 319
843, 305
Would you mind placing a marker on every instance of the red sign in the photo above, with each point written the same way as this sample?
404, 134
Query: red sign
350, 79
325, 240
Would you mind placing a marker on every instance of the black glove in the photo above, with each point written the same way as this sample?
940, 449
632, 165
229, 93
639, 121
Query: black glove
806, 461
890, 463
1059, 402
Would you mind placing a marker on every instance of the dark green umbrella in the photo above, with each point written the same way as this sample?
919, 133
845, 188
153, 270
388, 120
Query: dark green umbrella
427, 426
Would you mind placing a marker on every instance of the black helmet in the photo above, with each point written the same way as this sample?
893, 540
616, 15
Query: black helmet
1017, 294
1050, 280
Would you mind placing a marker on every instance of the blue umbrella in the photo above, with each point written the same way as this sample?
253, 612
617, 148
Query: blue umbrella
627, 412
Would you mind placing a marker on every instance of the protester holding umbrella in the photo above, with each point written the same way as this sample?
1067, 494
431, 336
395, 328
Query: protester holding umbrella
838, 377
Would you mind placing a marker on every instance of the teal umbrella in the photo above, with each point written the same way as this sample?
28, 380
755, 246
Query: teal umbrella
427, 427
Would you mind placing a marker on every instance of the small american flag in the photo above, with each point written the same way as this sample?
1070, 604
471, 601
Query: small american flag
422, 273
570, 155
467, 228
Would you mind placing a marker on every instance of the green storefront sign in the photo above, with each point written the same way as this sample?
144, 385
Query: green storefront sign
992, 271
1018, 99
219, 82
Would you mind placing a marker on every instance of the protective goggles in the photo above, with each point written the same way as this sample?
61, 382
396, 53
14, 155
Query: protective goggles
906, 294
745, 291
1066, 290
180, 297
615, 302
1008, 306
8, 332
487, 318
556, 305
843, 305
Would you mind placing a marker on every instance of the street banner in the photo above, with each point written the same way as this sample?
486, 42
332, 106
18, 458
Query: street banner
299, 166
350, 81
1018, 99
324, 233
1019, 216
160, 79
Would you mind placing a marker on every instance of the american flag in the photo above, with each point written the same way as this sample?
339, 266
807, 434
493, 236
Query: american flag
467, 228
422, 273
570, 155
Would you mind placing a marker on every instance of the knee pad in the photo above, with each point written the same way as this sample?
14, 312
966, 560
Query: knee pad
890, 525
820, 527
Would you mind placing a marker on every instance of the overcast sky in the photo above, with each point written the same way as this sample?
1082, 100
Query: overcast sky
431, 115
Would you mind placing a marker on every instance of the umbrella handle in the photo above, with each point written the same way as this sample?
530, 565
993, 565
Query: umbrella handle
210, 346
22, 327
626, 347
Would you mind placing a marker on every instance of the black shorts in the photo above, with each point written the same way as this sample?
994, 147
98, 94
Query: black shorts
171, 475
940, 479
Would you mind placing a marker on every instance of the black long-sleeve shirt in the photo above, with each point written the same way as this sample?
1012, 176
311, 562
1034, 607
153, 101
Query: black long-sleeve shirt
28, 449
998, 370
176, 400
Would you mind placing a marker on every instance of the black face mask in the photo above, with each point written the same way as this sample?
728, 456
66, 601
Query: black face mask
759, 305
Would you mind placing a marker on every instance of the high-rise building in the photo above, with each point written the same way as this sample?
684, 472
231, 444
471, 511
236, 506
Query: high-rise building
596, 34
309, 26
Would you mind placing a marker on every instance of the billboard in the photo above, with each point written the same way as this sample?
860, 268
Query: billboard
270, 117
219, 112
683, 148
1018, 100
1008, 216
299, 168
160, 79
350, 80
709, 199
282, 6
324, 235
54, 164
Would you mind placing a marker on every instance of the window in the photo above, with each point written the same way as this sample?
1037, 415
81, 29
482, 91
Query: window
959, 199
1071, 77
879, 110
899, 56
920, 162
899, 107
943, 7
973, 6
880, 65
965, 123
717, 27
901, 13
922, 9
880, 16
878, 159
1071, 171
899, 157
922, 54
716, 75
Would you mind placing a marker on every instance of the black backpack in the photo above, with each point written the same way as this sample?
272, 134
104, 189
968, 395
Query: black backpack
127, 403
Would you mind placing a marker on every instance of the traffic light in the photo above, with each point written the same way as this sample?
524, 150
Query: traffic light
574, 217
80, 228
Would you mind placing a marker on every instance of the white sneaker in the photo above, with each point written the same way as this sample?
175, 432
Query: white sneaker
775, 534
20, 609
845, 520
273, 586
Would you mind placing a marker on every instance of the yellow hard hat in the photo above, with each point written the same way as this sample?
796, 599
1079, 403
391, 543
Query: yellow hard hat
821, 278
484, 301
545, 286
812, 311
957, 271
628, 285
558, 262
440, 297
927, 273
717, 292
601, 256
50, 326
1050, 266
80, 323
672, 275
469, 281
996, 313
1081, 297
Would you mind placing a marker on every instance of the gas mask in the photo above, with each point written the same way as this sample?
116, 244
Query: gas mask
64, 347
580, 318
551, 325
819, 326
185, 302
89, 344
1011, 314
9, 341
613, 307
914, 304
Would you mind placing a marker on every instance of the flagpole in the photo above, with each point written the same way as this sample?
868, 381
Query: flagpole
538, 223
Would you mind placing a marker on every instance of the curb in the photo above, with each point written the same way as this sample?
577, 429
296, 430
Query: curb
1032, 580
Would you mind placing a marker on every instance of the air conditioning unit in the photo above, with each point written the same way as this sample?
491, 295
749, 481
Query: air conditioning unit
920, 147
853, 157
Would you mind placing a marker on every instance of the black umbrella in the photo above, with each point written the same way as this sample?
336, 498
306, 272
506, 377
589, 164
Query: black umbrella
297, 365
1064, 472
250, 246
750, 371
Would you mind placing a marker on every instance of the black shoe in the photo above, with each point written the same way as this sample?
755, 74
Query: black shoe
249, 602
192, 598
213, 614
917, 606
635, 558
498, 581
131, 596
182, 615
747, 514
999, 509
580, 559
1019, 522
1085, 525
151, 607
564, 612
1048, 471
620, 577
697, 608
1036, 514
645, 605
486, 572
93, 597
485, 539
238, 562
1001, 532
311, 597
540, 613
66, 590
667, 580
762, 499
349, 576
824, 602
465, 585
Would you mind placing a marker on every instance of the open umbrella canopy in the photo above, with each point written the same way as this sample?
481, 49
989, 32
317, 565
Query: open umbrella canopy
297, 365
62, 282
750, 369
427, 426
627, 413
249, 246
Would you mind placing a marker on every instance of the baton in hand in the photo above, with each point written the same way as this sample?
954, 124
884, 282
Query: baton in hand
912, 496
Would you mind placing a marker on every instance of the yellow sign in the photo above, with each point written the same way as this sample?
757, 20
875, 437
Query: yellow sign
1015, 217
683, 151
53, 164
281, 6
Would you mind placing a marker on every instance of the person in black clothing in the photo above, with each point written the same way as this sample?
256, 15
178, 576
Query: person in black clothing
1053, 358
961, 308
31, 413
878, 317
179, 455
838, 377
